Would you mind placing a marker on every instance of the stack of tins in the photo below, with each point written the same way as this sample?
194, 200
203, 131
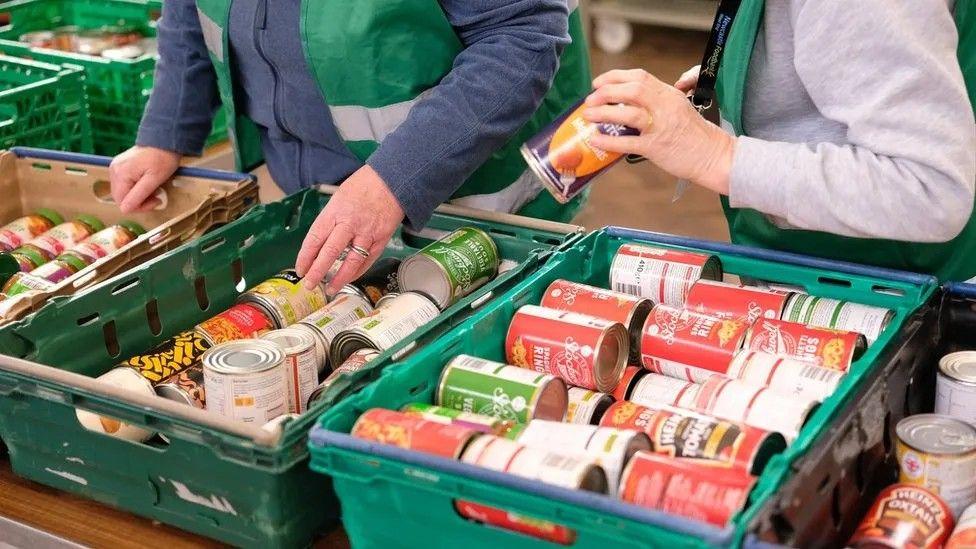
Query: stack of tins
277, 352
672, 390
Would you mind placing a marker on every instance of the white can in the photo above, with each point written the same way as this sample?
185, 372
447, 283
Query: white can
824, 312
955, 389
586, 407
785, 375
658, 390
123, 378
662, 275
300, 367
336, 316
753, 405
386, 326
569, 471
244, 380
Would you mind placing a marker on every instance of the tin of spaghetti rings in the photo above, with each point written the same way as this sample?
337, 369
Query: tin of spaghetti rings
964, 535
561, 155
904, 516
689, 435
631, 311
689, 488
632, 376
758, 406
336, 316
745, 303
939, 453
656, 390
244, 380
22, 230
824, 347
478, 422
186, 388
584, 351
413, 432
381, 279
586, 407
128, 380
507, 520
838, 315
452, 267
579, 472
284, 298
690, 345
662, 275
609, 448
300, 365
356, 361
169, 358
241, 321
955, 386
494, 389
385, 326
785, 375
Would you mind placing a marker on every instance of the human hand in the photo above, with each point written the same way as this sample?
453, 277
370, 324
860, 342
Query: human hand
687, 81
362, 213
674, 136
136, 174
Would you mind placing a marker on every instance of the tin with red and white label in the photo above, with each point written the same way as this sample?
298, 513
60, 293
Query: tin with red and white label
745, 303
577, 471
385, 326
244, 380
629, 310
300, 366
586, 407
584, 351
284, 298
128, 380
904, 516
824, 347
786, 375
955, 386
356, 362
688, 488
690, 345
22, 230
657, 390
336, 316
754, 405
964, 535
478, 422
507, 520
939, 453
838, 315
662, 275
241, 321
630, 379
186, 388
413, 433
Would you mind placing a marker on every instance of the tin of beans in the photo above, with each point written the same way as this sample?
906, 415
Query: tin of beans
128, 380
586, 407
745, 303
413, 432
471, 420
838, 315
186, 388
904, 516
385, 326
20, 231
662, 275
785, 375
632, 376
955, 386
824, 347
758, 406
939, 453
356, 361
241, 321
451, 267
338, 315
300, 365
169, 358
284, 298
690, 345
244, 380
579, 472
507, 520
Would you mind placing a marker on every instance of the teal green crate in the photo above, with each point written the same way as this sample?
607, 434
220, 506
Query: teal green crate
229, 482
374, 480
117, 89
43, 105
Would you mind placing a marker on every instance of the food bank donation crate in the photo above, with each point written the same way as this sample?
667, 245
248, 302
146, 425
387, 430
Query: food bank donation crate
118, 89
233, 482
415, 493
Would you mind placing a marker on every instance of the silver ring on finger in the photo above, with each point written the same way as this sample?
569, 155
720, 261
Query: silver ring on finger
359, 250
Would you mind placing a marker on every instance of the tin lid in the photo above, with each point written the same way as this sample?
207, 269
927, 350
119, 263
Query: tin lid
92, 221
351, 290
291, 340
49, 214
170, 391
420, 273
937, 434
959, 366
243, 356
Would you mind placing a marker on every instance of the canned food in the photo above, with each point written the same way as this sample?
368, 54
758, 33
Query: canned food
609, 448
578, 472
745, 303
284, 298
656, 390
632, 375
964, 535
824, 347
22, 283
955, 386
735, 400
244, 380
336, 316
385, 326
561, 155
470, 420
128, 380
385, 300
55, 271
785, 375
356, 361
22, 230
631, 311
583, 350
55, 241
186, 388
507, 520
381, 279
689, 345
688, 488
300, 365
904, 516
241, 321
586, 407
451, 267
838, 315
38, 39
105, 242
169, 358
493, 389
684, 434
413, 433
662, 275
939, 453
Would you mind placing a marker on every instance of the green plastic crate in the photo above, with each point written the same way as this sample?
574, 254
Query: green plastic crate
414, 493
117, 89
43, 105
235, 483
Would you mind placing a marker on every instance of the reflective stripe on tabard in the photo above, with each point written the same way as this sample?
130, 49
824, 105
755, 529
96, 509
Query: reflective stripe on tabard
509, 200
356, 123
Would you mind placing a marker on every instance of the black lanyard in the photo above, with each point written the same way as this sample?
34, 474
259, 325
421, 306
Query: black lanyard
714, 50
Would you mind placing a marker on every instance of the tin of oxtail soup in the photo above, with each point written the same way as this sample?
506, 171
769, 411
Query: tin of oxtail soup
583, 350
284, 298
629, 310
494, 389
381, 279
586, 407
904, 516
955, 386
659, 274
690, 345
507, 520
562, 157
170, 357
939, 453
244, 380
745, 303
452, 267
825, 347
413, 432
129, 380
326, 323
356, 362
964, 534
785, 375
685, 434
186, 388
839, 315
575, 471
241, 321
21, 230
478, 422
300, 365
632, 376
689, 488
385, 326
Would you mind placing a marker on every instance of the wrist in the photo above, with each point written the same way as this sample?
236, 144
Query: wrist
717, 169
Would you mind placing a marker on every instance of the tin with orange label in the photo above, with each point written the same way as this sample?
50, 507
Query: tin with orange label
630, 379
660, 274
241, 321
413, 432
500, 518
690, 345
745, 303
904, 516
824, 347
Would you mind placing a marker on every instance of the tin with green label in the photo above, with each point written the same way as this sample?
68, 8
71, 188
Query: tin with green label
480, 386
452, 267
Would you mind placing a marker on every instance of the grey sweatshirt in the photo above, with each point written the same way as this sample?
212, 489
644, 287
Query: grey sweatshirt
858, 121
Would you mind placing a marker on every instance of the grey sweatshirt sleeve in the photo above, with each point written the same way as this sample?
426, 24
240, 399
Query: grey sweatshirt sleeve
889, 72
